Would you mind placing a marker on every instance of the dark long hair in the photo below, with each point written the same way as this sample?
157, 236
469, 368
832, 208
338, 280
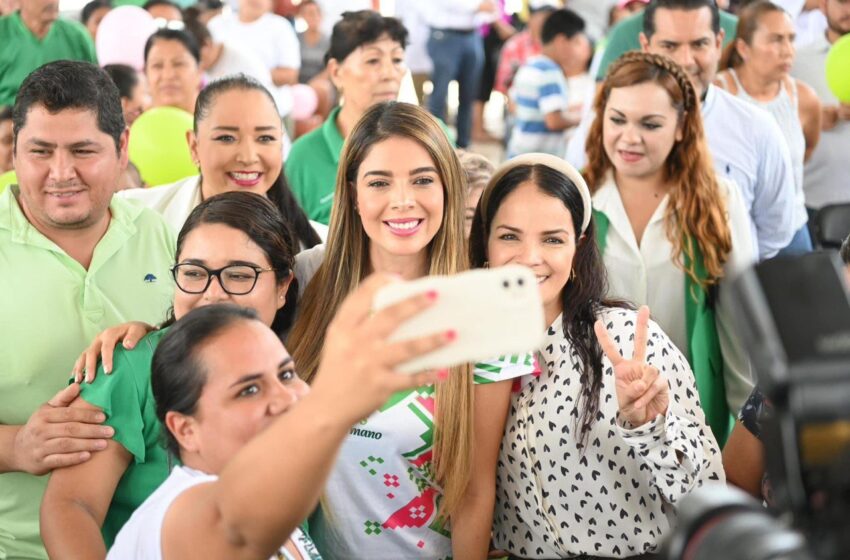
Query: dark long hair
279, 193
177, 375
582, 298
255, 216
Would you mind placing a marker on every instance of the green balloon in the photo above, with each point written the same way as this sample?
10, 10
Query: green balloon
838, 69
8, 178
158, 145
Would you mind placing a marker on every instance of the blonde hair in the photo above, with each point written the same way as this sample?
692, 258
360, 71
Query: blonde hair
697, 208
346, 263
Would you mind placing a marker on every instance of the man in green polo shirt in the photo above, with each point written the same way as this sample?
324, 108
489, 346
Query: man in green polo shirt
33, 36
73, 261
625, 35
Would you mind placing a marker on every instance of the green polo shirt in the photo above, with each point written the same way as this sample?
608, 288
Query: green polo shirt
21, 52
624, 37
50, 310
127, 399
311, 168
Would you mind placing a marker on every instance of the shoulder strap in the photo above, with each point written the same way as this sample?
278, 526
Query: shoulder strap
602, 224
704, 346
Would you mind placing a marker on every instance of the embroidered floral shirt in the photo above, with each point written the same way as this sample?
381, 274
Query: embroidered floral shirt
381, 499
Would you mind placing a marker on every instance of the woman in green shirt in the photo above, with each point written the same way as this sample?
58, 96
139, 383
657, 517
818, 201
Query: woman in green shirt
240, 239
366, 64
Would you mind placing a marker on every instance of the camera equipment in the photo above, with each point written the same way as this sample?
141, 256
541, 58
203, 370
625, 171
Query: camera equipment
793, 316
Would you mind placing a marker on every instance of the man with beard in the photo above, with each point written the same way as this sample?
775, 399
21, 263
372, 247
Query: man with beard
33, 36
825, 175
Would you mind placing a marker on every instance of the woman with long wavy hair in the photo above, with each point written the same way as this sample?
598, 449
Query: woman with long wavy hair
417, 478
670, 230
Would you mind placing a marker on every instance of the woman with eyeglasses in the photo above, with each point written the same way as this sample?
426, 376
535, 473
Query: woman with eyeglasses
172, 69
234, 248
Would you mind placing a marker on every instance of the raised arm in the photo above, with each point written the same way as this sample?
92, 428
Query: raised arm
274, 482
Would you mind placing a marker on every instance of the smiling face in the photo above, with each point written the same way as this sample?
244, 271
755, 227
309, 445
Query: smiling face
400, 198
534, 229
238, 143
217, 245
67, 169
370, 74
250, 381
639, 129
173, 75
686, 36
771, 53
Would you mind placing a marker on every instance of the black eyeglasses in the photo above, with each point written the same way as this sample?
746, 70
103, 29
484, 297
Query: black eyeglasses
235, 279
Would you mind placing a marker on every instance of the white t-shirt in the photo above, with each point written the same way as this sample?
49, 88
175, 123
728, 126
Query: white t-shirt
271, 38
141, 536
646, 275
236, 60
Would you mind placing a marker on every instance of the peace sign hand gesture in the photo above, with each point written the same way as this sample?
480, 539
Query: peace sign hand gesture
642, 392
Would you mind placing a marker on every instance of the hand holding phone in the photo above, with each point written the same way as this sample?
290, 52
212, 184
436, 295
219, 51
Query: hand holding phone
495, 312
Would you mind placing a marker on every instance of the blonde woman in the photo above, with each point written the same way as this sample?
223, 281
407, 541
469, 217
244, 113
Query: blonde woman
403, 486
669, 228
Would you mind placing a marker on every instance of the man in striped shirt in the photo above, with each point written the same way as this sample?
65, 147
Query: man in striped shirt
539, 91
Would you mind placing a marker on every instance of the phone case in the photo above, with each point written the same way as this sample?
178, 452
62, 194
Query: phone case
495, 312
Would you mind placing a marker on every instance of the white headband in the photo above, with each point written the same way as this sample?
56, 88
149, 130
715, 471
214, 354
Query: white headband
555, 163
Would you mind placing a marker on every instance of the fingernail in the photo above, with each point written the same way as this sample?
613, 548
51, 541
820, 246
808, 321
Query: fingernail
108, 431
442, 374
127, 344
431, 295
100, 444
99, 417
106, 370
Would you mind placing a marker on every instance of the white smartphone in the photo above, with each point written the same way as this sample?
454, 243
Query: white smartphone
495, 312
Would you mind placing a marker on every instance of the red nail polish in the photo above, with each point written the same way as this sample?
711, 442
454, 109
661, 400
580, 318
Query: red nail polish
443, 374
451, 335
431, 295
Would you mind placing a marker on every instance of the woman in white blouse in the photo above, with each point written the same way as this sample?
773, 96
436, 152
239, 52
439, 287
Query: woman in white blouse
670, 230
236, 144
610, 435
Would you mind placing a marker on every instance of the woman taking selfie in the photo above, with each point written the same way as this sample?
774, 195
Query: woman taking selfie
249, 473
669, 229
417, 478
234, 248
600, 446
236, 144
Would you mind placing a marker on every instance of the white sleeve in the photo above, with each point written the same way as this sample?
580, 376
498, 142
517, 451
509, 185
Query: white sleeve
737, 374
576, 154
679, 448
288, 47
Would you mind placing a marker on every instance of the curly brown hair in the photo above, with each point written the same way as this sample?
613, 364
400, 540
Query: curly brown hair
697, 208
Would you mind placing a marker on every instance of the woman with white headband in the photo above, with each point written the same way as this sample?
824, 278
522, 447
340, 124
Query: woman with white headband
610, 435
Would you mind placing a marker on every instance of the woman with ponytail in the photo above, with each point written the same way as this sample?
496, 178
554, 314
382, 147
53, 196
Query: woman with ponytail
669, 229
756, 68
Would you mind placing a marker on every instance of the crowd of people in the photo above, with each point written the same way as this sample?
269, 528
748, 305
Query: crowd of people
195, 369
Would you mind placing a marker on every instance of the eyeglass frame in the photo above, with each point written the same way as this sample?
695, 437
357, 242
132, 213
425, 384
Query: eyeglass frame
216, 273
